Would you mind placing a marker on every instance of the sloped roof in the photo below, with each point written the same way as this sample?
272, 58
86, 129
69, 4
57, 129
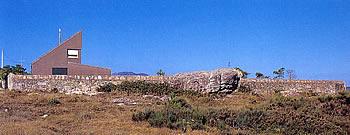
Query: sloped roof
42, 56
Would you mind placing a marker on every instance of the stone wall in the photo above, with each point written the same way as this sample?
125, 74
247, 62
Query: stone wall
292, 87
219, 81
79, 84
202, 81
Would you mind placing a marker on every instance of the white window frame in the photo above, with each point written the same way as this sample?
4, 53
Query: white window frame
73, 53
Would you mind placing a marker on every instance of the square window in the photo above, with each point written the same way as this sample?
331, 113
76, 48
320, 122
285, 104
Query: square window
72, 53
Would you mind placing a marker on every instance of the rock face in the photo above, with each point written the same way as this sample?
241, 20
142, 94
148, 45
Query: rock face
224, 80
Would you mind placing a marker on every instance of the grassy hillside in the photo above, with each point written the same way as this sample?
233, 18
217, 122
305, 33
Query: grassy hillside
55, 113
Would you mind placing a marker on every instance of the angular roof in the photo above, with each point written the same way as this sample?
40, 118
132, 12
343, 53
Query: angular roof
42, 56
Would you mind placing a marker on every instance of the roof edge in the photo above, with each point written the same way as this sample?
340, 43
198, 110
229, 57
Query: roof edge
88, 65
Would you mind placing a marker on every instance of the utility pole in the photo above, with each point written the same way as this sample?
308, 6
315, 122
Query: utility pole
2, 58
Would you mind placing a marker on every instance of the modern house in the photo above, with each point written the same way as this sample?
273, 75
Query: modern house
65, 59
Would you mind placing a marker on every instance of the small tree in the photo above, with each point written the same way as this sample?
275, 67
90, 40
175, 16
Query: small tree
5, 71
245, 74
279, 73
18, 70
160, 73
261, 75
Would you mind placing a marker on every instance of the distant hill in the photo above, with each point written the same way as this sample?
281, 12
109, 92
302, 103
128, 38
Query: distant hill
130, 73
347, 88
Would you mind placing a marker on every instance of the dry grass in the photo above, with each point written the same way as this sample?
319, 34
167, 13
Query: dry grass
234, 101
22, 113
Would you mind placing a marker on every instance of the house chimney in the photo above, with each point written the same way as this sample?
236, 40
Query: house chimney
59, 36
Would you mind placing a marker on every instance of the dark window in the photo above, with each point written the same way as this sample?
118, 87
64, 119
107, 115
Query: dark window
59, 71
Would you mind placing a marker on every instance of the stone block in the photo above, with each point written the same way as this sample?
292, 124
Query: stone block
42, 83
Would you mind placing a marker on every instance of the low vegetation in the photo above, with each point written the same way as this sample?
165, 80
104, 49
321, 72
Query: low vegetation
178, 114
299, 115
281, 115
145, 88
40, 112
53, 101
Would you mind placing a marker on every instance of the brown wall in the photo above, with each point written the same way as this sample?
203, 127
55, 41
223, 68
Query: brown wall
80, 69
57, 58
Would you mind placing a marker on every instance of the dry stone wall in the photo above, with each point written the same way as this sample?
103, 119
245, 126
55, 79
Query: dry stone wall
78, 84
220, 80
292, 87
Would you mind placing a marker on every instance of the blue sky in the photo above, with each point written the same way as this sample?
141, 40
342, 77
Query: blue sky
311, 37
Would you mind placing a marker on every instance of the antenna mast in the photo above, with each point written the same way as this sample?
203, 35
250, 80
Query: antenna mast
59, 36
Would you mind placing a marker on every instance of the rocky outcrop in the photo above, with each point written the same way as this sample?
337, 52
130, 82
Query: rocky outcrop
224, 80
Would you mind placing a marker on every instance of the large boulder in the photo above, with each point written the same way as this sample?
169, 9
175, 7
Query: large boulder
224, 80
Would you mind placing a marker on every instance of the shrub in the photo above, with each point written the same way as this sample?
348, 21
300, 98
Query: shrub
178, 114
108, 87
309, 93
244, 89
221, 125
54, 90
53, 101
175, 102
143, 116
159, 89
296, 115
144, 87
250, 119
157, 120
282, 115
